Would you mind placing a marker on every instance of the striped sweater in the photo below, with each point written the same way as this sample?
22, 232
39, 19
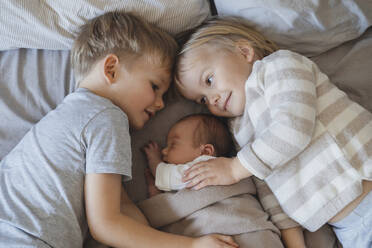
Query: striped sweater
304, 138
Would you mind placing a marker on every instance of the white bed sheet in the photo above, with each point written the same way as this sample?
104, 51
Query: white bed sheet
309, 27
51, 24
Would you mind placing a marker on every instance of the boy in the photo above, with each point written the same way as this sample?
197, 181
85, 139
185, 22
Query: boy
77, 155
295, 129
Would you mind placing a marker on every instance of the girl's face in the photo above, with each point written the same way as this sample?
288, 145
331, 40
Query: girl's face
216, 77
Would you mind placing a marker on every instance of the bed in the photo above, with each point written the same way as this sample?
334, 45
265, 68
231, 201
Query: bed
35, 73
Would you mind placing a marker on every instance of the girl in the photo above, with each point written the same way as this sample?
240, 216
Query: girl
295, 130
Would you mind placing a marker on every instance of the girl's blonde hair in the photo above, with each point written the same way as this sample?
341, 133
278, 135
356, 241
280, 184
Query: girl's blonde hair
224, 31
124, 35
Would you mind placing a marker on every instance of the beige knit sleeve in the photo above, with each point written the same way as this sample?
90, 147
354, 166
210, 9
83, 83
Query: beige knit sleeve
272, 207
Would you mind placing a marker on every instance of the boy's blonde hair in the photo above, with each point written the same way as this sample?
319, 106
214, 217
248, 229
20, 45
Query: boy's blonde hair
123, 34
212, 130
225, 32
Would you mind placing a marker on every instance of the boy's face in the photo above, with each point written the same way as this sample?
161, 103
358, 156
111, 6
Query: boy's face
216, 77
180, 148
140, 89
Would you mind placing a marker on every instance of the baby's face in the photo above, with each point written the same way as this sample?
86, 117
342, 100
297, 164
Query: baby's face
180, 147
215, 77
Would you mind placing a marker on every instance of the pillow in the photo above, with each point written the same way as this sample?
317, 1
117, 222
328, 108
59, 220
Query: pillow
53, 24
309, 27
32, 83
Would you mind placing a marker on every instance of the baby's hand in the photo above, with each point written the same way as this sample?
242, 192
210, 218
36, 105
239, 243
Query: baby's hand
215, 240
153, 155
218, 171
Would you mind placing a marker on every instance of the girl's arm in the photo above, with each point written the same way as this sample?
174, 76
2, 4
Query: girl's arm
289, 90
281, 220
218, 171
293, 237
109, 226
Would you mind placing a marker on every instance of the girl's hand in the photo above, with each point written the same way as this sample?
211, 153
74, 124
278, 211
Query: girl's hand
153, 155
218, 171
215, 241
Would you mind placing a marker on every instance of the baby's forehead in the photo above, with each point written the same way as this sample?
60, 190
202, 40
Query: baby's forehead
190, 121
180, 127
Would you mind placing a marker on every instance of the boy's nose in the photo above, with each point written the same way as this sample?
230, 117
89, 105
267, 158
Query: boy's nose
159, 103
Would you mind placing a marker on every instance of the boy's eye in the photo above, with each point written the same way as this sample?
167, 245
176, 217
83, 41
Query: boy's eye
154, 86
209, 80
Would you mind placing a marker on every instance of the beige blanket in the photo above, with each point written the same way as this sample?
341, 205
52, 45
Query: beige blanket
230, 210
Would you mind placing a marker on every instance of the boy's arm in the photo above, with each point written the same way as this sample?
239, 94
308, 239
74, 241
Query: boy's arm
128, 208
109, 226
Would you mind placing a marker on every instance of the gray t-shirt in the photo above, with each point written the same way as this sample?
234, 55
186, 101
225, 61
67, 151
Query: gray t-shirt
42, 178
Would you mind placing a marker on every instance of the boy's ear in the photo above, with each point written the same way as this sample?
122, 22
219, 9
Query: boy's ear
110, 65
207, 149
245, 49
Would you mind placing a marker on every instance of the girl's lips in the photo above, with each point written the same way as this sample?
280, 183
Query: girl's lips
226, 102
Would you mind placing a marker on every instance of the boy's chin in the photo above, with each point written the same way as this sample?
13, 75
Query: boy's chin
136, 125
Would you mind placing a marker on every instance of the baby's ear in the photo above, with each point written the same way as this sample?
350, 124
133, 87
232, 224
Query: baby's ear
110, 65
207, 149
244, 48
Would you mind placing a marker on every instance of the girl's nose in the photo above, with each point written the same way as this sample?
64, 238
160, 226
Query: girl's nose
213, 100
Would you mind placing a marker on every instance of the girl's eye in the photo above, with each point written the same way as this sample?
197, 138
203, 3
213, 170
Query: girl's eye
154, 86
209, 80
